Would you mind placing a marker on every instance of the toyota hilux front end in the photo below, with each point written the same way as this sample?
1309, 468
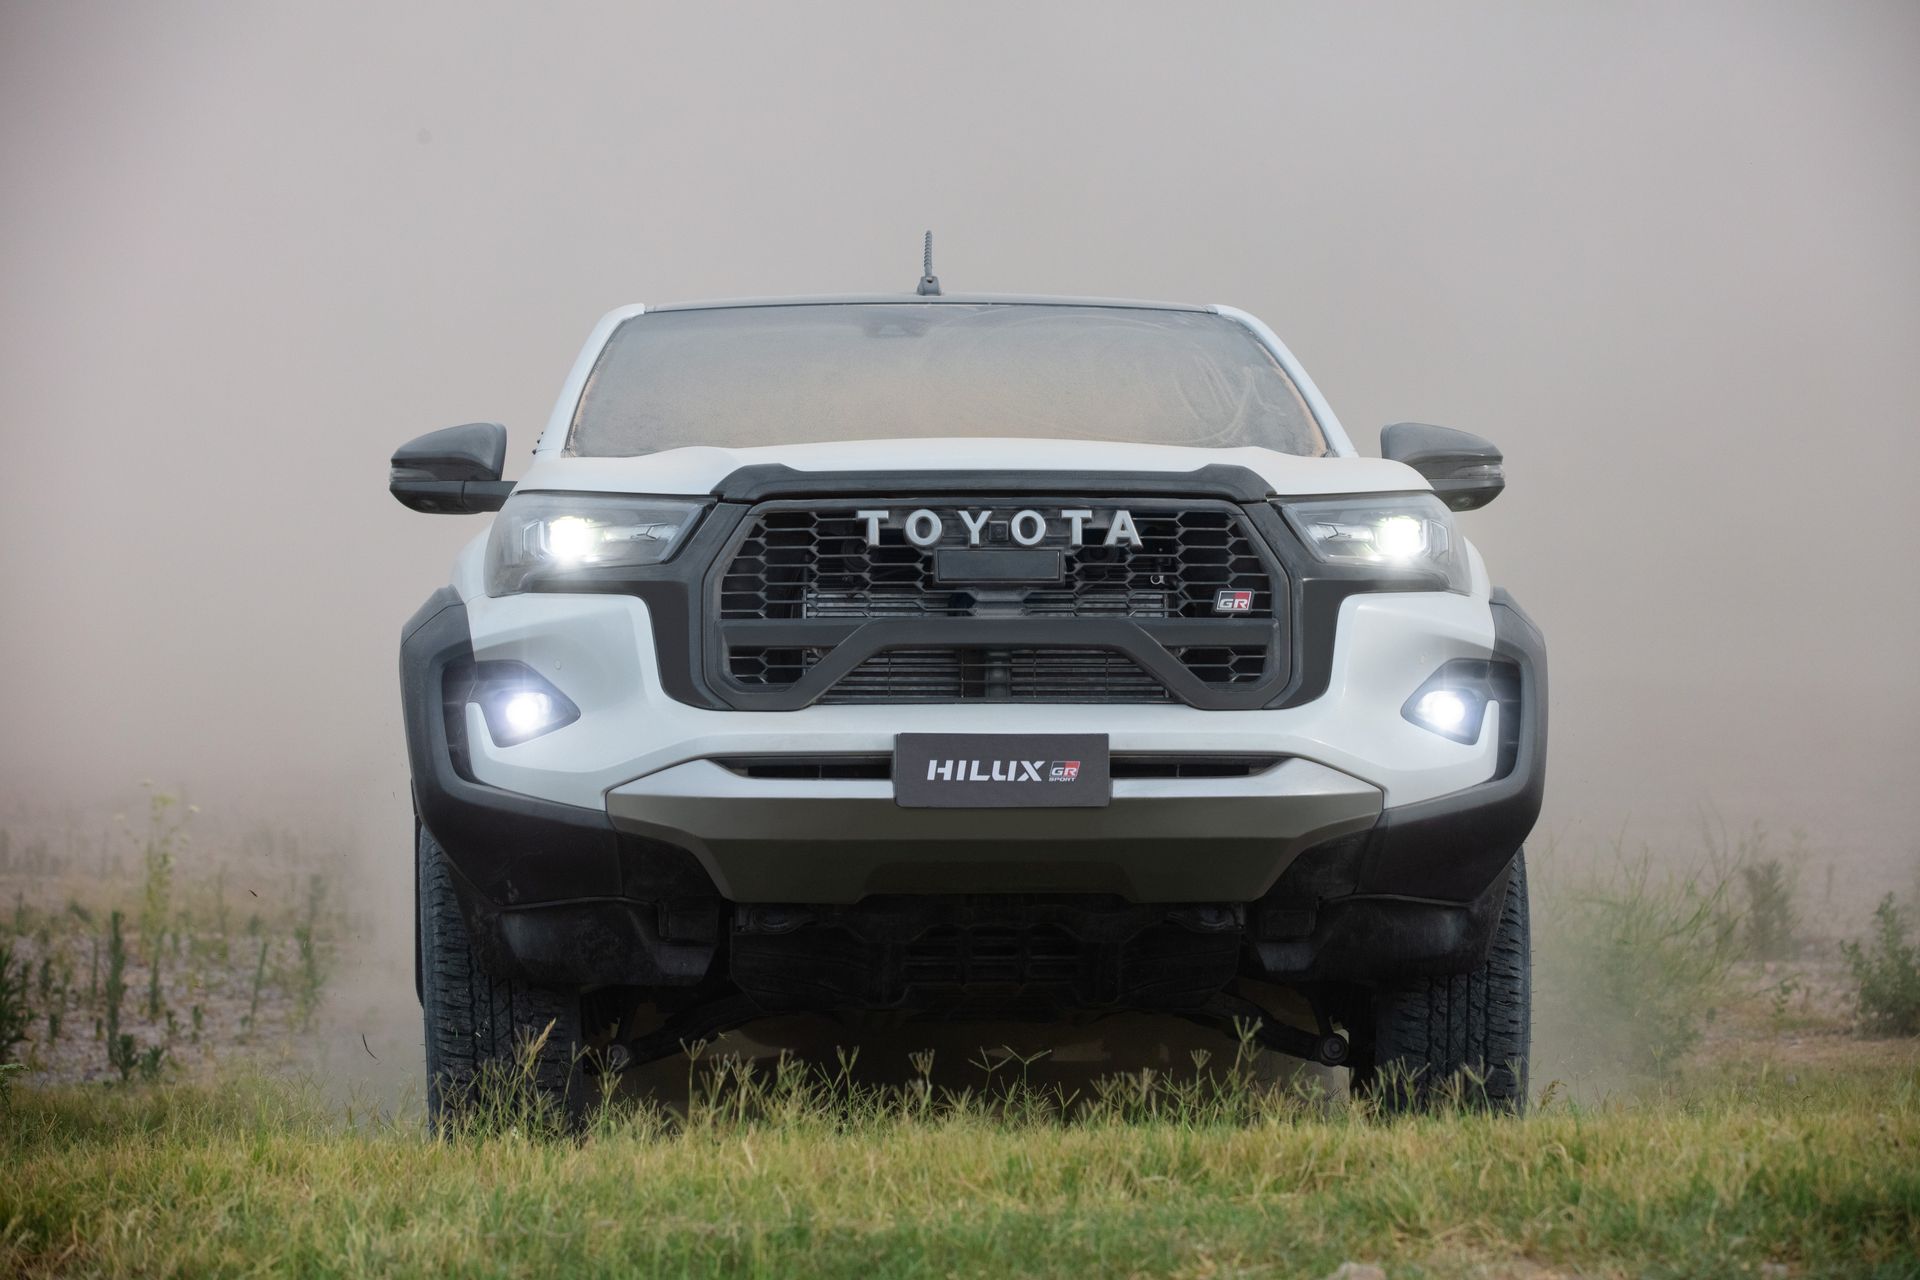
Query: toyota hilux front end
967, 656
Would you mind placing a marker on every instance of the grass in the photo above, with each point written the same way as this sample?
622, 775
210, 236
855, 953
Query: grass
1812, 1167
1748, 1128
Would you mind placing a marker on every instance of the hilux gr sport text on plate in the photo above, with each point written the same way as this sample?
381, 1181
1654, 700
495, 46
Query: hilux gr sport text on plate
967, 656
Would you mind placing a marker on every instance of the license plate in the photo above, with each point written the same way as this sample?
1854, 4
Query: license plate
1001, 771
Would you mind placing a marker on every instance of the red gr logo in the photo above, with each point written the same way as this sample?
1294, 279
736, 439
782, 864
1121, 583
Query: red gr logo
1233, 602
1063, 771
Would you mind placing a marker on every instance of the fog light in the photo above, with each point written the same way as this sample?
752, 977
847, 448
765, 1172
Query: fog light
1442, 709
517, 701
530, 709
1453, 701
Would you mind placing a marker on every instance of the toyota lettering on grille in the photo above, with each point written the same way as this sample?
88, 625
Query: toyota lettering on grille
1027, 528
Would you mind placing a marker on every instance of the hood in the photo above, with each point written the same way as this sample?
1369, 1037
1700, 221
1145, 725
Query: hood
700, 470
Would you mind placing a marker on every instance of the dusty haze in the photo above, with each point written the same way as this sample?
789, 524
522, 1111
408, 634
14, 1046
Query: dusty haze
1668, 257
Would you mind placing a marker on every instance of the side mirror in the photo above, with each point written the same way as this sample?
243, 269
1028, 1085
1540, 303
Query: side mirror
1466, 472
455, 471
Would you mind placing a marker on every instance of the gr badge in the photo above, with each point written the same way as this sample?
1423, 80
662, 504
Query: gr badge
1225, 601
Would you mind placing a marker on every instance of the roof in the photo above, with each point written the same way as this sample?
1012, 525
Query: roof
945, 299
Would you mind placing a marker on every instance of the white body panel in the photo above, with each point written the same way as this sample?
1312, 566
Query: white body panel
697, 470
598, 650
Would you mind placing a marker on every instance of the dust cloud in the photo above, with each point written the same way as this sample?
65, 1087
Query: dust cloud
1665, 256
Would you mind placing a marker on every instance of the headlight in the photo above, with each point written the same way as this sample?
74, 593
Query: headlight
1408, 532
544, 539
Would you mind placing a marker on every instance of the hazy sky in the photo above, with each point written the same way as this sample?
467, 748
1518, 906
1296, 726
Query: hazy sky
1667, 256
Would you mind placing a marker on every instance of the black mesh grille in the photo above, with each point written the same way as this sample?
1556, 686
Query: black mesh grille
771, 668
818, 564
1238, 664
997, 675
1086, 605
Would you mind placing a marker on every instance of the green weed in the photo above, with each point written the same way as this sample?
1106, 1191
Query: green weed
309, 974
1634, 962
153, 986
259, 979
1887, 969
16, 1015
164, 837
121, 1054
1771, 922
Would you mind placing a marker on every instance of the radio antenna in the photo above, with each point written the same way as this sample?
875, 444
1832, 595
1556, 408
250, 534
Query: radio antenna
929, 282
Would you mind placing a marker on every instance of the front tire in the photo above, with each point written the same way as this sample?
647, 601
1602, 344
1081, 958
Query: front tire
1464, 1037
481, 1031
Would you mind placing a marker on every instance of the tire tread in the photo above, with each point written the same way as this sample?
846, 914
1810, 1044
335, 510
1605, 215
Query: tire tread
1430, 1036
472, 1018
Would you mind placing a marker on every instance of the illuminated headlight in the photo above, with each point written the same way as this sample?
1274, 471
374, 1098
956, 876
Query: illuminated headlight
545, 540
1404, 532
518, 703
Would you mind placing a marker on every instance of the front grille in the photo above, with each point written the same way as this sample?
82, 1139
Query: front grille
997, 675
775, 667
771, 667
1148, 601
1236, 664
818, 564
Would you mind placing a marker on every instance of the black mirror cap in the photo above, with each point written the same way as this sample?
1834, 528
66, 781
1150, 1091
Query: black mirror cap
1466, 472
453, 471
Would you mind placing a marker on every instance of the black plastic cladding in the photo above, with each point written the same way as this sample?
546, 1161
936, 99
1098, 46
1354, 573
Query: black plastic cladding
1301, 639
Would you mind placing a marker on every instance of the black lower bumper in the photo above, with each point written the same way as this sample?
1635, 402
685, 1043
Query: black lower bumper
558, 895
553, 894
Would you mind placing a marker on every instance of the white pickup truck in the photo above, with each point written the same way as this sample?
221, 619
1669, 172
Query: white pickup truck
968, 656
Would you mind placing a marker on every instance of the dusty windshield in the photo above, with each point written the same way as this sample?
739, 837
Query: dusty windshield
810, 373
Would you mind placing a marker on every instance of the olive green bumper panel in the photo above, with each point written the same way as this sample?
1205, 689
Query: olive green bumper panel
837, 841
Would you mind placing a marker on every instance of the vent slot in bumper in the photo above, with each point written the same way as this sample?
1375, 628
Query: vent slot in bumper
879, 767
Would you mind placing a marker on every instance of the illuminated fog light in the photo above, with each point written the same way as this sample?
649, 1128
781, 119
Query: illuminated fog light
518, 702
1442, 709
1453, 702
527, 711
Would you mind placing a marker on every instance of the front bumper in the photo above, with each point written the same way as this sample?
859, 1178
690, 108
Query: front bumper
609, 851
1160, 840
